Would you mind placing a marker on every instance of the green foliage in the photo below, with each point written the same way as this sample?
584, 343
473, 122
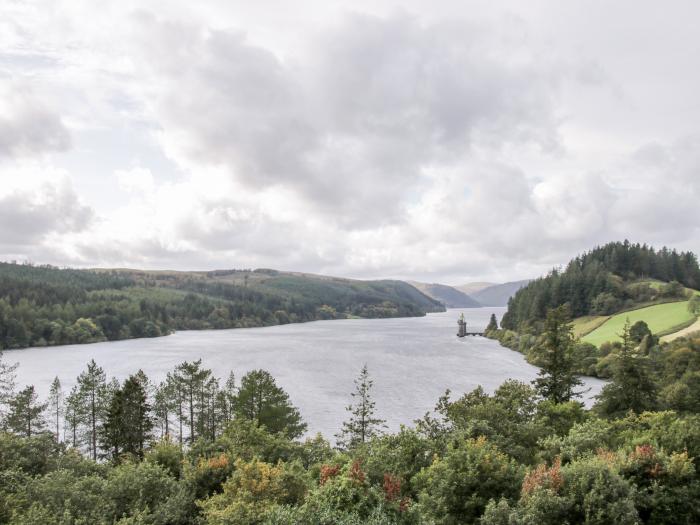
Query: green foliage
26, 414
363, 424
595, 283
632, 387
507, 418
128, 423
659, 318
557, 377
493, 324
252, 490
638, 331
43, 305
456, 488
694, 304
260, 400
509, 457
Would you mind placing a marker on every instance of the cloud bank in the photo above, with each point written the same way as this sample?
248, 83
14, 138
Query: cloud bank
450, 144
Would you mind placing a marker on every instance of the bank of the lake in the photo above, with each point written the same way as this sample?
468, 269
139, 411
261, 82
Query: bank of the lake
412, 360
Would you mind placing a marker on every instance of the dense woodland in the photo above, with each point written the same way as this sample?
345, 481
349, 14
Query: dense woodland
605, 280
42, 305
616, 277
198, 450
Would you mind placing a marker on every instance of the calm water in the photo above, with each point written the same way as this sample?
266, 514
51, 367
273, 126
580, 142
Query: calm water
411, 360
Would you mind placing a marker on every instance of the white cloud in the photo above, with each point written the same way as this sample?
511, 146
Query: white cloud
451, 141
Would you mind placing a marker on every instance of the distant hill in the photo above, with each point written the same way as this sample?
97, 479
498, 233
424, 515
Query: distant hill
471, 288
447, 295
44, 305
498, 294
606, 280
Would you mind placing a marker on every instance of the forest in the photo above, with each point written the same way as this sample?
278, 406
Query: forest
44, 305
195, 449
602, 281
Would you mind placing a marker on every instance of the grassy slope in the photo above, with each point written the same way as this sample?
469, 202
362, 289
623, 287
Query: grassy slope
585, 325
300, 286
660, 318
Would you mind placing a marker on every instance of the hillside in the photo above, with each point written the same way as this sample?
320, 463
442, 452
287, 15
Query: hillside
661, 318
498, 294
447, 295
608, 279
471, 288
43, 305
604, 288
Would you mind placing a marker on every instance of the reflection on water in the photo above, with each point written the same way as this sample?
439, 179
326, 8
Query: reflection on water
412, 362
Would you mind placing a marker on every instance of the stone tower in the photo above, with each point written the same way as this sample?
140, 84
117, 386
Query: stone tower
462, 326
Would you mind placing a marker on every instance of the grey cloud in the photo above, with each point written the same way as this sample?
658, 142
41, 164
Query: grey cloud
26, 218
352, 128
28, 127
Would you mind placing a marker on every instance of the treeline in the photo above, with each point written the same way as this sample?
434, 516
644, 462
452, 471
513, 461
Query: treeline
196, 450
42, 305
603, 281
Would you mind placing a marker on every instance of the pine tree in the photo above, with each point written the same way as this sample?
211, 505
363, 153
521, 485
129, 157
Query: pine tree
190, 379
7, 385
557, 379
56, 405
128, 422
227, 398
74, 414
25, 416
260, 400
164, 404
632, 386
493, 324
94, 392
363, 424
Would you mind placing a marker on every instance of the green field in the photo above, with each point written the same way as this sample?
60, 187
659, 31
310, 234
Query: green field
660, 318
585, 325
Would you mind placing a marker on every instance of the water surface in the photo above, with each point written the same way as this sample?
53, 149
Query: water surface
412, 361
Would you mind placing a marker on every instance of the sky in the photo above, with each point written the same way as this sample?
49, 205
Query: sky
448, 141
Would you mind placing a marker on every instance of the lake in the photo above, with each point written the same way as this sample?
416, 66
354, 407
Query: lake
412, 361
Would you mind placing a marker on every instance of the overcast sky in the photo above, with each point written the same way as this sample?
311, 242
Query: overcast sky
440, 141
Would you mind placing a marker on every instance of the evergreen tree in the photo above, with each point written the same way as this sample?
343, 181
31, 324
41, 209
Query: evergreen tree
25, 416
74, 414
363, 424
190, 379
260, 400
227, 399
557, 379
94, 393
55, 405
493, 324
7, 385
128, 422
632, 386
164, 405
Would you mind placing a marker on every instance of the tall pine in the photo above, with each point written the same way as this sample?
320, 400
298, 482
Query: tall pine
557, 379
55, 406
26, 414
363, 424
632, 387
128, 422
94, 394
